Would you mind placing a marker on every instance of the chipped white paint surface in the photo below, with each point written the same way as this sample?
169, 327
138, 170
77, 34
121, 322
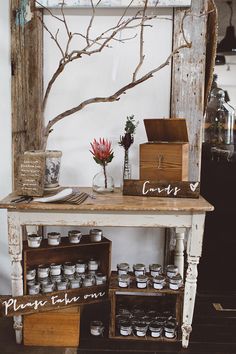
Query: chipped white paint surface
114, 3
192, 220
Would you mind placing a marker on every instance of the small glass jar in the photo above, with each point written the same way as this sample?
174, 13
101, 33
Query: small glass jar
155, 329
155, 269
139, 269
96, 328
62, 285
92, 264
88, 280
175, 282
34, 289
47, 288
100, 279
95, 235
74, 236
30, 274
54, 238
56, 278
68, 268
140, 329
124, 280
158, 282
34, 240
171, 270
31, 282
125, 328
141, 281
122, 268
170, 330
55, 269
69, 276
44, 281
80, 266
43, 271
75, 283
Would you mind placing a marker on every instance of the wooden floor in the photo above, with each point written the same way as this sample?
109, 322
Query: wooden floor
213, 332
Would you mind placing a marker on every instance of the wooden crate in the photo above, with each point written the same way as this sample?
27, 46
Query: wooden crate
53, 328
165, 155
165, 299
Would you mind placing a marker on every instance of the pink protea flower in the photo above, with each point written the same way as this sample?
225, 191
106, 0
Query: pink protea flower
102, 151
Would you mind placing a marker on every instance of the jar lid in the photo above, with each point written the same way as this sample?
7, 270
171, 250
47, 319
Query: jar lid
124, 266
101, 276
34, 236
158, 279
74, 233
55, 265
43, 266
95, 232
69, 264
139, 266
171, 268
141, 326
155, 326
169, 326
93, 261
126, 325
155, 267
80, 261
53, 234
96, 324
141, 278
176, 279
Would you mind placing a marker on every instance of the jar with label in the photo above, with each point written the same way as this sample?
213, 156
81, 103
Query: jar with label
158, 282
96, 328
125, 328
80, 266
155, 329
171, 270
34, 289
55, 269
68, 268
75, 283
124, 280
62, 285
43, 271
155, 269
170, 330
30, 274
139, 269
175, 282
95, 235
92, 264
140, 329
43, 281
74, 236
88, 280
56, 278
34, 240
54, 238
100, 279
122, 268
141, 281
47, 288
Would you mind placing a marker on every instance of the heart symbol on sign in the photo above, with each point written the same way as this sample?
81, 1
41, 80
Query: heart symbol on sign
193, 186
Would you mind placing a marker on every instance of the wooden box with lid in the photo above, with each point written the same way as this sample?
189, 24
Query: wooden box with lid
165, 155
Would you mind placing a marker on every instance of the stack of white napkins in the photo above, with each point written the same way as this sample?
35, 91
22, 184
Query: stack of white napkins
56, 197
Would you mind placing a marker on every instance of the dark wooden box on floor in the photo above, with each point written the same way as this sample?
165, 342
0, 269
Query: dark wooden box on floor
148, 299
165, 156
61, 327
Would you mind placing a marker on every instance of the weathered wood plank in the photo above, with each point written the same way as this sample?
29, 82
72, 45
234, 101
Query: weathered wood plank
161, 189
27, 78
26, 304
113, 3
188, 78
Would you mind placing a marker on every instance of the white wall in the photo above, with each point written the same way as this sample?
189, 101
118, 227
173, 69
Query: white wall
5, 141
99, 75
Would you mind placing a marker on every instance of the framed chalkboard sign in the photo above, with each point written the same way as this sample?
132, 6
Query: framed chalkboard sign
30, 181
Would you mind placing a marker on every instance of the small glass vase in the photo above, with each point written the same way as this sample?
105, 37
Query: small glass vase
127, 166
103, 182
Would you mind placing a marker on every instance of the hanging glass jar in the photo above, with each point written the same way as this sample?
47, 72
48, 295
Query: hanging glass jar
218, 135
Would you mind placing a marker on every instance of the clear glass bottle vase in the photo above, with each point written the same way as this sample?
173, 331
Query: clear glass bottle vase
103, 182
127, 166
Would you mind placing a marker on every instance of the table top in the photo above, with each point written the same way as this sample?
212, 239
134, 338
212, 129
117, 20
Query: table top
114, 202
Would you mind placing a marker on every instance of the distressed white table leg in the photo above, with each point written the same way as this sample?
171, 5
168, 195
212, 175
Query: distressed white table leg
15, 251
194, 250
179, 249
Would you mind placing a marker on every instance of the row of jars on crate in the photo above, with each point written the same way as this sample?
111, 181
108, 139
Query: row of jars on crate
140, 322
54, 238
157, 278
63, 276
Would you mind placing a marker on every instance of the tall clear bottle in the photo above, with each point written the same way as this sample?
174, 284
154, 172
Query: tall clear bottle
218, 137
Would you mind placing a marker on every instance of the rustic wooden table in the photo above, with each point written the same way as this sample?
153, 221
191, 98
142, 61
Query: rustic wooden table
115, 210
